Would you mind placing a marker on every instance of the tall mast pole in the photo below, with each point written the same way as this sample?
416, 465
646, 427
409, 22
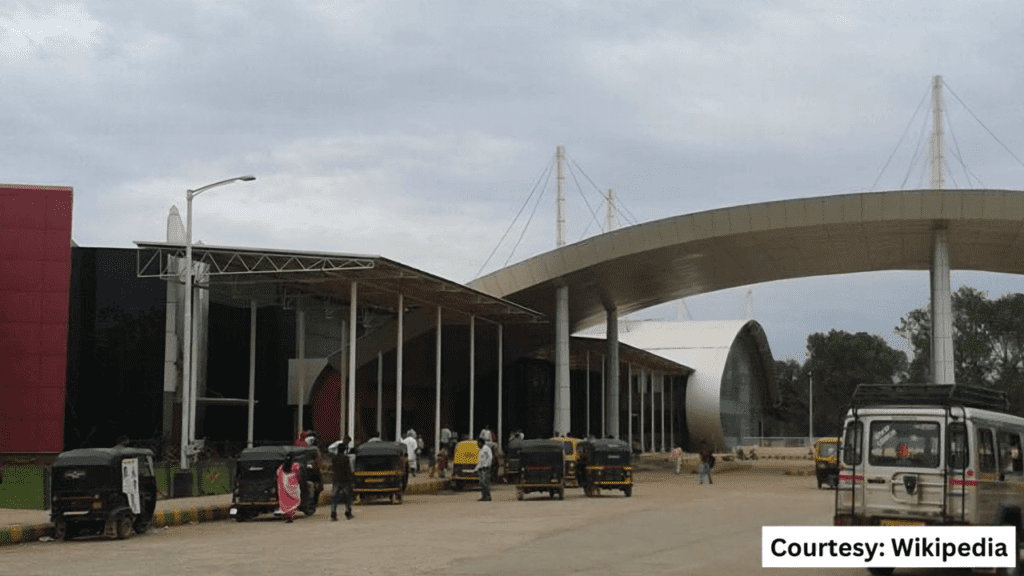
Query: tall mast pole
611, 221
937, 159
560, 202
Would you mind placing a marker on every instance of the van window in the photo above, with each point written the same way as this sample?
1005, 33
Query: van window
852, 442
1010, 461
986, 451
904, 443
956, 437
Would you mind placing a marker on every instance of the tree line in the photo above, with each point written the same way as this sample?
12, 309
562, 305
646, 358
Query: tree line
988, 342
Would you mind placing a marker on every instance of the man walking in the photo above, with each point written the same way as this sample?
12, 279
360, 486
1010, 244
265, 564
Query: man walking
483, 468
343, 478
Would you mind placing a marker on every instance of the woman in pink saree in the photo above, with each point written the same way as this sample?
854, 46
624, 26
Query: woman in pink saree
288, 492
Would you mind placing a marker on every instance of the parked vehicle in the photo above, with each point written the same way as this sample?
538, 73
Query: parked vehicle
826, 463
605, 464
541, 468
512, 461
466, 454
571, 451
381, 470
930, 455
255, 489
108, 491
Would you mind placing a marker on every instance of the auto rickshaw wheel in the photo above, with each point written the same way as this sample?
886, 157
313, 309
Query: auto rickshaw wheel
124, 526
561, 494
60, 530
142, 526
628, 490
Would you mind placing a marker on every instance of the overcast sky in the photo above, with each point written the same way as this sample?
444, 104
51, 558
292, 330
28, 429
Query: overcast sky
417, 130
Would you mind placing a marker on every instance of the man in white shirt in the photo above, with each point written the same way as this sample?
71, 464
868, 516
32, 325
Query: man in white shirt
483, 468
411, 444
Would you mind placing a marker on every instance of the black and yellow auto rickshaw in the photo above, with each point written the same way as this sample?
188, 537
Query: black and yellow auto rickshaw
381, 470
605, 464
571, 452
512, 461
255, 489
541, 468
463, 463
826, 463
108, 491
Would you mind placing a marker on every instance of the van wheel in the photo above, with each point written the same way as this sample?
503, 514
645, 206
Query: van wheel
124, 526
142, 526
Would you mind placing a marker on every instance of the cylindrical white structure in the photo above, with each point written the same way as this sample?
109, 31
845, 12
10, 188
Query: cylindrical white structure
472, 373
437, 387
398, 367
501, 367
352, 307
942, 312
611, 409
300, 338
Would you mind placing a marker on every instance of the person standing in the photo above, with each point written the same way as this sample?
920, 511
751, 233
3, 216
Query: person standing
411, 445
483, 468
707, 460
677, 453
289, 494
343, 478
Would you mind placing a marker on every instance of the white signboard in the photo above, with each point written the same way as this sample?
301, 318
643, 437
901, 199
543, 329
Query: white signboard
130, 482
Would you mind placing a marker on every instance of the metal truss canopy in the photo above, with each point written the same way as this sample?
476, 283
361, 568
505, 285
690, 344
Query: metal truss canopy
237, 276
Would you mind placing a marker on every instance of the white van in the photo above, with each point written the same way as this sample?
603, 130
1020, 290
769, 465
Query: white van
935, 455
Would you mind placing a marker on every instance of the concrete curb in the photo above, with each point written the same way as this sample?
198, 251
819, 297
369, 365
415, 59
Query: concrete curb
179, 517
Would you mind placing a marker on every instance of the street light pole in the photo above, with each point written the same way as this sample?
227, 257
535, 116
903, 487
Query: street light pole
188, 386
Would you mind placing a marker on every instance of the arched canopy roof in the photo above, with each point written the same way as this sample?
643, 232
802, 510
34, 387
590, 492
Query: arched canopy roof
648, 264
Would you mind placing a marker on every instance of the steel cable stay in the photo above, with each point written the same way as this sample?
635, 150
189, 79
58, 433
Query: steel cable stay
973, 115
543, 175
917, 151
904, 135
620, 212
527, 226
958, 155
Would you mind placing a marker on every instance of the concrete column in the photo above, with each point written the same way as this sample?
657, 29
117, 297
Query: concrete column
641, 381
380, 391
353, 305
604, 395
300, 343
611, 407
661, 378
437, 386
472, 374
629, 405
501, 367
942, 312
398, 367
587, 433
650, 376
252, 371
563, 398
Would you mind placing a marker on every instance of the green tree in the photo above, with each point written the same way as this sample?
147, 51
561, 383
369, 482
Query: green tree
839, 361
791, 414
988, 338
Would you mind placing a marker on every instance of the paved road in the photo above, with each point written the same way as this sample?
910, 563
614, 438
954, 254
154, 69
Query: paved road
671, 525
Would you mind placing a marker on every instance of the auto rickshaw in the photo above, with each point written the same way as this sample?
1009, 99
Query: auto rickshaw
826, 465
255, 489
381, 470
466, 454
108, 491
541, 468
605, 464
512, 461
570, 449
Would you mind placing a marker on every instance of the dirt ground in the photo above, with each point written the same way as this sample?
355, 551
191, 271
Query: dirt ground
671, 525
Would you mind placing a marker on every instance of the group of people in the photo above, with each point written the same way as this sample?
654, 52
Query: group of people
289, 483
707, 462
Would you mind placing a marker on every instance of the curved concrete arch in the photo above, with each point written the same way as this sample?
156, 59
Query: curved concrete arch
648, 264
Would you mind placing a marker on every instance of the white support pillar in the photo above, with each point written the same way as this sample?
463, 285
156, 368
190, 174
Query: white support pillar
629, 417
672, 413
641, 380
501, 367
612, 414
942, 312
343, 384
437, 387
587, 433
650, 378
300, 338
563, 394
472, 373
352, 307
661, 379
604, 399
252, 371
380, 391
398, 367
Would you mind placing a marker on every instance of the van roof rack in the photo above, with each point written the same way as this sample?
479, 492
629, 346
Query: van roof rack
929, 395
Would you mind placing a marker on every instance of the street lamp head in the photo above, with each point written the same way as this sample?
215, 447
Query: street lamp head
249, 178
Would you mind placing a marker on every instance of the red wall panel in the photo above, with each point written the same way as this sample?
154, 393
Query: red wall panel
35, 270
